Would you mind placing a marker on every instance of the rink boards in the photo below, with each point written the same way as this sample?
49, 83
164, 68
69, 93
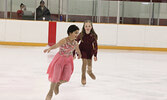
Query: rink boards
110, 36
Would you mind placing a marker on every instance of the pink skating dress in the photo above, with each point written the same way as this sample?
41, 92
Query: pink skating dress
61, 67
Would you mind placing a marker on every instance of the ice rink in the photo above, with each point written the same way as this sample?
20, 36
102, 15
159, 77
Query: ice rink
121, 75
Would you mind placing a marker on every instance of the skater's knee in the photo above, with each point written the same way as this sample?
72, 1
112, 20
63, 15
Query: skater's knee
89, 62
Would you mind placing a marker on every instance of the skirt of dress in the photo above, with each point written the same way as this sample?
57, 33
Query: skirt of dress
60, 68
86, 54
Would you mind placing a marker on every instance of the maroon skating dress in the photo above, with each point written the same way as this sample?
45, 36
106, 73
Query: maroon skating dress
88, 46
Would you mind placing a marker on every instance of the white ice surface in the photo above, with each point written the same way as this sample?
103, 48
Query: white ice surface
121, 75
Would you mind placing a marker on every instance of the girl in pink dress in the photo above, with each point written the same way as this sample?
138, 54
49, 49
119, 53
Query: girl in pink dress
61, 67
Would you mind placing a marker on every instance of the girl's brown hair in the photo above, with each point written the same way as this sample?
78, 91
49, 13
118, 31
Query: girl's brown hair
92, 32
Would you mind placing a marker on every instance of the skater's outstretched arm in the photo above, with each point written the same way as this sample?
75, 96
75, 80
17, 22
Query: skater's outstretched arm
61, 42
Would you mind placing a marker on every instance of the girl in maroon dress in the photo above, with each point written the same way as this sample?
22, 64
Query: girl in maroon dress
88, 47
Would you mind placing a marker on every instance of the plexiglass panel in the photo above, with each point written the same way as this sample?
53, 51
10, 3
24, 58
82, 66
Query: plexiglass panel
2, 8
80, 10
23, 9
109, 10
135, 12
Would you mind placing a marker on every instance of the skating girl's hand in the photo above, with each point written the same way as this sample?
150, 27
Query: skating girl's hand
47, 50
79, 56
74, 57
95, 58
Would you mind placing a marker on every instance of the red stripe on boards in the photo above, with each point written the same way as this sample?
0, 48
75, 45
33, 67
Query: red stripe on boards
52, 33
